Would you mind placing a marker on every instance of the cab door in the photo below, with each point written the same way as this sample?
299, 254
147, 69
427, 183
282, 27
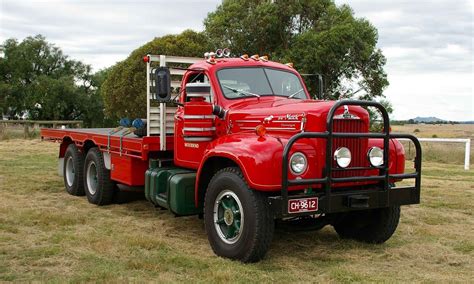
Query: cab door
194, 121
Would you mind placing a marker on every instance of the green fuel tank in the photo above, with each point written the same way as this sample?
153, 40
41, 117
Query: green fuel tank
172, 188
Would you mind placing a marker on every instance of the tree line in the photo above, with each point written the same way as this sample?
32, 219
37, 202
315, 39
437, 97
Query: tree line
317, 36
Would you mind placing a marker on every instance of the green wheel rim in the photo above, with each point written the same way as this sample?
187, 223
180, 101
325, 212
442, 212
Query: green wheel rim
228, 216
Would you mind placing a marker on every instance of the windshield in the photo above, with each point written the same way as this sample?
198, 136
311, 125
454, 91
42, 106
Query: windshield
247, 82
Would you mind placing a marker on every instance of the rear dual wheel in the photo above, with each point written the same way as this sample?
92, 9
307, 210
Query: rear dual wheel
98, 186
73, 171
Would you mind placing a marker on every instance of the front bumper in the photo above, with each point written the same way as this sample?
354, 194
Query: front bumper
330, 201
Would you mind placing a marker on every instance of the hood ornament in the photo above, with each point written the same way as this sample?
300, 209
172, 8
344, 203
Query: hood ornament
346, 114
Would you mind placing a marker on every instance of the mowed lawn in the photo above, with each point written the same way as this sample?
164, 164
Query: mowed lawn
48, 235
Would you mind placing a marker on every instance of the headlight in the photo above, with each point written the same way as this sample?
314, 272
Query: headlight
375, 156
298, 163
343, 157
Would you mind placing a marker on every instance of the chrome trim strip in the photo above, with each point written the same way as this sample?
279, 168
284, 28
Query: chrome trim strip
243, 120
270, 128
198, 95
199, 129
281, 128
197, 139
196, 116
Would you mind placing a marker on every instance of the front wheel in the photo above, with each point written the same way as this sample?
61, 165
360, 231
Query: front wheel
238, 221
370, 226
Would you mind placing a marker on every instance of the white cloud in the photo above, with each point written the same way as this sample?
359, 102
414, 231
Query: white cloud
429, 50
100, 32
428, 44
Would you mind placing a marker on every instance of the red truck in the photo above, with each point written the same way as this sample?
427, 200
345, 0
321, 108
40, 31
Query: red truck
243, 146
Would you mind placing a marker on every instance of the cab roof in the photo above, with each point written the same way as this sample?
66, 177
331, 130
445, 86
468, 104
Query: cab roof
238, 62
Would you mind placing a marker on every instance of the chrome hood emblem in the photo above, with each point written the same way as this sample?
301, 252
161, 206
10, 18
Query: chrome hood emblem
346, 114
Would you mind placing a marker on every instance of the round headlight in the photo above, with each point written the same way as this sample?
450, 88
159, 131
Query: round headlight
375, 156
298, 163
343, 157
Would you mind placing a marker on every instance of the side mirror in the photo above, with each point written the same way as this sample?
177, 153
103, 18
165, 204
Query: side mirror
320, 87
163, 84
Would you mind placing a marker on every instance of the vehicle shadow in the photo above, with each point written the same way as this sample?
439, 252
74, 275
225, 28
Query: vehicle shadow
311, 243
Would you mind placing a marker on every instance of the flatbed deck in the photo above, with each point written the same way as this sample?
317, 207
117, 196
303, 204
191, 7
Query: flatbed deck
113, 140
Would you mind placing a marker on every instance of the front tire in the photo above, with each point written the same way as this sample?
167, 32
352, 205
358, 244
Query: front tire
370, 226
98, 186
238, 221
73, 171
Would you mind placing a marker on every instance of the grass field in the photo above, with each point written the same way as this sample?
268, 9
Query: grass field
48, 235
452, 153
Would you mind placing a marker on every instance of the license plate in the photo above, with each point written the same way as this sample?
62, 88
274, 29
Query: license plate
309, 204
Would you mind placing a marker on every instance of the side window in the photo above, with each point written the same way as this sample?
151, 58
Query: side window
199, 77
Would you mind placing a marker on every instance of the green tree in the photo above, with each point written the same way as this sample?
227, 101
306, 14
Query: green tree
318, 36
38, 81
124, 90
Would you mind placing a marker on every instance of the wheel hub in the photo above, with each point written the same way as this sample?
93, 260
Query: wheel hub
228, 216
92, 178
70, 171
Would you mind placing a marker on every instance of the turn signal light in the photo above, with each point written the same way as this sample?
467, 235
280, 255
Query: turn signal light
245, 57
260, 130
255, 57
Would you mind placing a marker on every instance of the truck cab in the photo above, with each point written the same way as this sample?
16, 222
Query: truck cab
243, 145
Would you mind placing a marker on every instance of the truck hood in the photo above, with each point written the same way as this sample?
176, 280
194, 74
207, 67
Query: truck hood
286, 115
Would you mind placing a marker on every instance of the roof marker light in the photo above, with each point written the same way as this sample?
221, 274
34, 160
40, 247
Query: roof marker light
245, 57
255, 57
211, 60
291, 65
264, 58
226, 52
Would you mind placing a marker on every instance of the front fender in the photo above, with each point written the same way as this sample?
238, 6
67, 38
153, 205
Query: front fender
259, 158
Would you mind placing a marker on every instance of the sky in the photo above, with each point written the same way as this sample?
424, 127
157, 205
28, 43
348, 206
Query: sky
428, 43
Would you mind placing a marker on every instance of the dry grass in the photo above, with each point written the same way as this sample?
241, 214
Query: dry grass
452, 153
440, 130
48, 235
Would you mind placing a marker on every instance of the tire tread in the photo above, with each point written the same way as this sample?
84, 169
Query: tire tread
106, 189
264, 221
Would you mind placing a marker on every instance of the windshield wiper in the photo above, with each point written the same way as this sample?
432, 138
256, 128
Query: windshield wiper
295, 93
242, 92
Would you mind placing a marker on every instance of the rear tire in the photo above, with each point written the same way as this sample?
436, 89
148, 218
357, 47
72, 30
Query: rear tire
370, 226
73, 171
98, 186
238, 221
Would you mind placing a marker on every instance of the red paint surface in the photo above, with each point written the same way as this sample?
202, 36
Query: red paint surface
128, 170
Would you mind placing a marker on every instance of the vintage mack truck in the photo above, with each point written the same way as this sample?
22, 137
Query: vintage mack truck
243, 145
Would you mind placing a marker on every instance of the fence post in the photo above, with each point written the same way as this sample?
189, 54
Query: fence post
467, 154
26, 133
